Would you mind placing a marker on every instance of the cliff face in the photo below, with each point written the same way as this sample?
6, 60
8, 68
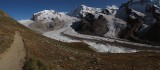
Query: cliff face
153, 34
142, 17
92, 26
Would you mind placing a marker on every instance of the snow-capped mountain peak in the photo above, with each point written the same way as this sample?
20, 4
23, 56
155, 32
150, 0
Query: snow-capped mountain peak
82, 10
143, 8
48, 16
112, 9
45, 11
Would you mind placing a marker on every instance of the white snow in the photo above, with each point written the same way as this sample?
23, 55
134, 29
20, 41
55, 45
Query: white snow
109, 48
115, 25
56, 34
83, 9
49, 16
26, 22
95, 46
112, 9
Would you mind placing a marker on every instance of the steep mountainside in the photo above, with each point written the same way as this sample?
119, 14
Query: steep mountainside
110, 10
82, 10
92, 25
135, 20
48, 20
104, 25
141, 16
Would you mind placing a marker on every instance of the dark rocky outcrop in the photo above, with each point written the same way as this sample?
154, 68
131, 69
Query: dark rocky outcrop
153, 34
135, 22
105, 11
132, 29
91, 25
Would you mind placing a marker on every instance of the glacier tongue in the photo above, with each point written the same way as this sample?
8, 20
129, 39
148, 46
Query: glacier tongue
115, 25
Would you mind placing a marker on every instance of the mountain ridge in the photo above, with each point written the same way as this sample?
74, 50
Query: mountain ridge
119, 27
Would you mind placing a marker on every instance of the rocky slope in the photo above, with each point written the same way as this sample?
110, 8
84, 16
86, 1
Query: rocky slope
103, 25
82, 10
99, 22
48, 20
141, 16
110, 10
91, 25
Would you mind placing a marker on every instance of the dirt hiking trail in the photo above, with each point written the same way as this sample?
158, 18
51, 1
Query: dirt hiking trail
13, 58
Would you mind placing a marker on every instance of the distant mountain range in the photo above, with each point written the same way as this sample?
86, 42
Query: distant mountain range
135, 20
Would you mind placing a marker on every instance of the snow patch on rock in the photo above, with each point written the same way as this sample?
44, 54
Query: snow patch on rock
112, 9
